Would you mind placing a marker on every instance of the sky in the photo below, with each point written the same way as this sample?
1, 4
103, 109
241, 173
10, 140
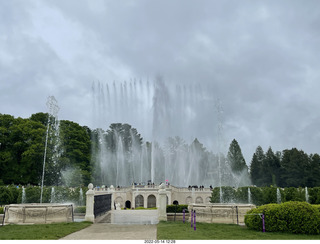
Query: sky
260, 59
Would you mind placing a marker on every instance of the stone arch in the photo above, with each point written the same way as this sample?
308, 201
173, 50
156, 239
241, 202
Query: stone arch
139, 201
199, 200
119, 200
128, 204
189, 200
152, 201
175, 202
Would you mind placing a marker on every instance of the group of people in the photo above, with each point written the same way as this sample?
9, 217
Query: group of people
196, 187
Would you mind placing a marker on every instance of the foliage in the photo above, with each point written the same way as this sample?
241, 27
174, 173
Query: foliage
264, 195
177, 208
23, 144
53, 231
1, 210
238, 164
293, 217
12, 195
291, 168
80, 209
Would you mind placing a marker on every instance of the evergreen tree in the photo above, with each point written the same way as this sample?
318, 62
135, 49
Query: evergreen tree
238, 164
256, 170
295, 166
270, 169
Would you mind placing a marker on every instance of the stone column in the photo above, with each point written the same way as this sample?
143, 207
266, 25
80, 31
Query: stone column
162, 203
112, 196
90, 204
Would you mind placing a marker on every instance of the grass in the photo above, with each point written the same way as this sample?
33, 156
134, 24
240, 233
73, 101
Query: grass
53, 231
204, 231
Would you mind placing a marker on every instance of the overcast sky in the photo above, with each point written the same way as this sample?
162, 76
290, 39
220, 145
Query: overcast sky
260, 58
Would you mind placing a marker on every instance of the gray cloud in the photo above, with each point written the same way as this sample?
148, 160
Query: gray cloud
261, 58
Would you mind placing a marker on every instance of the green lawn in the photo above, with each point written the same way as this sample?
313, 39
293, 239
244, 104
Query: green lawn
180, 231
40, 231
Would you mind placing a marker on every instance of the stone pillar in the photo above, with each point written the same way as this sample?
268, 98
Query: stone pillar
162, 203
90, 204
112, 197
145, 200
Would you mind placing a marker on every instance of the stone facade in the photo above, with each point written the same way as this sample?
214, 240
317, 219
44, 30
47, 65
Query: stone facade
148, 196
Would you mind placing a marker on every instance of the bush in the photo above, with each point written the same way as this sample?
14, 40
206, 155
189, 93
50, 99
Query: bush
172, 208
294, 217
1, 210
80, 209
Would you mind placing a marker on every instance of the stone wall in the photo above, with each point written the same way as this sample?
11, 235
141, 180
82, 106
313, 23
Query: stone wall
220, 213
35, 213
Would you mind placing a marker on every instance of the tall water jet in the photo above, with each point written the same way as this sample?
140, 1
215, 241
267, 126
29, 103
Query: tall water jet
80, 197
52, 198
278, 196
249, 196
158, 110
307, 194
221, 195
53, 110
23, 199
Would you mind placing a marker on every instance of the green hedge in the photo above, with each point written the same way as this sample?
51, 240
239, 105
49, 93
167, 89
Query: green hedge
1, 210
80, 209
293, 217
264, 195
13, 194
178, 208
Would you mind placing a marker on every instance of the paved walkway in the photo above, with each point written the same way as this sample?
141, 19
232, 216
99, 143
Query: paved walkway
121, 225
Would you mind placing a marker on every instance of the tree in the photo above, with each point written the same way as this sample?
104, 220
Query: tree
270, 169
238, 164
294, 165
256, 170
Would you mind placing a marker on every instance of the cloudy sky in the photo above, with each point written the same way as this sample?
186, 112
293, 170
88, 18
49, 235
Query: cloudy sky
260, 58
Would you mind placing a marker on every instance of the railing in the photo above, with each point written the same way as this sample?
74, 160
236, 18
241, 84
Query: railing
102, 204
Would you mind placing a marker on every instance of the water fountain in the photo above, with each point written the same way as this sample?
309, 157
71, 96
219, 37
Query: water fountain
23, 199
221, 195
53, 110
159, 111
306, 194
53, 196
80, 197
34, 213
249, 196
278, 196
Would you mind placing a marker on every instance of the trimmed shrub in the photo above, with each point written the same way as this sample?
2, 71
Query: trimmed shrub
80, 209
171, 208
1, 210
293, 217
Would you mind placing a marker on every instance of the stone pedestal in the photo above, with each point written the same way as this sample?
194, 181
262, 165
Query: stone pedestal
90, 204
162, 203
112, 191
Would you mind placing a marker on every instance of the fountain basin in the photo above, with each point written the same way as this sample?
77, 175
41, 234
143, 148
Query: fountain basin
36, 213
220, 212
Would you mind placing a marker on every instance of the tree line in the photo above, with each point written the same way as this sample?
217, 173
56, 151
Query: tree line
72, 156
289, 168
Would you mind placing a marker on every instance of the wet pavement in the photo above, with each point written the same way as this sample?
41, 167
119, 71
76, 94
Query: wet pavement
121, 225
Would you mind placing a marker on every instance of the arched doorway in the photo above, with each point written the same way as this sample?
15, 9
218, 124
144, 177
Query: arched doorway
175, 202
199, 200
189, 200
128, 204
139, 201
152, 201
119, 200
